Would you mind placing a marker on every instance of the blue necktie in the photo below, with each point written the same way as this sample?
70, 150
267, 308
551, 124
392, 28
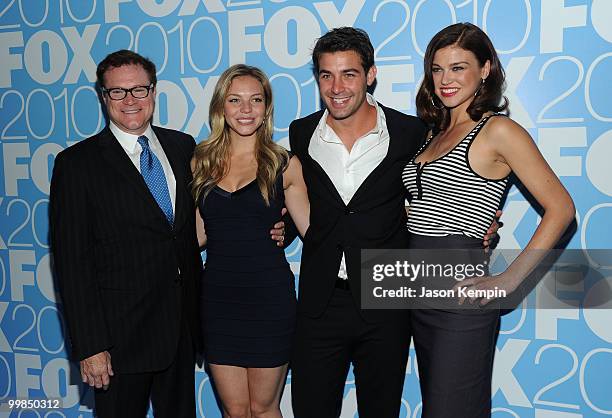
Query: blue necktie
154, 176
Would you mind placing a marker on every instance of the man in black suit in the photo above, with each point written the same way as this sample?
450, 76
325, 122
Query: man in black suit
125, 251
352, 155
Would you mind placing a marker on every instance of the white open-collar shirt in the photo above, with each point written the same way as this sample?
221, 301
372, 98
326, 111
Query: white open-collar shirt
347, 170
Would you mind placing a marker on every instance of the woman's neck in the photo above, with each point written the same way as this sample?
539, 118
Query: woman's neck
242, 145
459, 115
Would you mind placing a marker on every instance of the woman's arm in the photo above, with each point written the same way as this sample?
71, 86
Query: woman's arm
296, 195
516, 149
200, 231
520, 153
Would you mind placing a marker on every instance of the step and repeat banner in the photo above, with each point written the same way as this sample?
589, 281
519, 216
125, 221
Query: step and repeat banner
550, 363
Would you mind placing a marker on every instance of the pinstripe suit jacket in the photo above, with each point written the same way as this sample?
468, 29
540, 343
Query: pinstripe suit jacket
125, 275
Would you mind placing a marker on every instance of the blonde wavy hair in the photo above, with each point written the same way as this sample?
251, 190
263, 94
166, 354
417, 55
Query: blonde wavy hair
212, 157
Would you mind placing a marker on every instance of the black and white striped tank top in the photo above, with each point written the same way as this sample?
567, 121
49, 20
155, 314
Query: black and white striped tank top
448, 197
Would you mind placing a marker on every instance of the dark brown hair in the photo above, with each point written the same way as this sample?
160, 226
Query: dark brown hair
490, 95
345, 39
125, 57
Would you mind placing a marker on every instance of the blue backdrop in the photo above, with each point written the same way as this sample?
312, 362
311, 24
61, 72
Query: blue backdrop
557, 55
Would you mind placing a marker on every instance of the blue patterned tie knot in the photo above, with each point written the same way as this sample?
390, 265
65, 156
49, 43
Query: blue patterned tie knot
153, 174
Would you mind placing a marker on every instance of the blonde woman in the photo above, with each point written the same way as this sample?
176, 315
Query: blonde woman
242, 180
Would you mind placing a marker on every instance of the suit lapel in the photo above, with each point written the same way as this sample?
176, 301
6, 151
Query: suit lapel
322, 174
174, 157
395, 136
326, 180
116, 157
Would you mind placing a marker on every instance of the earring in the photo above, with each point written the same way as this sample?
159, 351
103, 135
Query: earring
482, 81
434, 104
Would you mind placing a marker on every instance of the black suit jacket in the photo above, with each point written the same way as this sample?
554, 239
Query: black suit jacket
374, 218
126, 277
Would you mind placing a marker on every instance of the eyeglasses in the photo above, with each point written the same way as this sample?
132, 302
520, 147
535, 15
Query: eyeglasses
138, 92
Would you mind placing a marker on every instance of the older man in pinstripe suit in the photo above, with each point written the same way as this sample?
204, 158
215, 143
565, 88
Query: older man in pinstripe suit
125, 251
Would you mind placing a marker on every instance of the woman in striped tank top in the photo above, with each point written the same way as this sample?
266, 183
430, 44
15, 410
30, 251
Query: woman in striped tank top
456, 183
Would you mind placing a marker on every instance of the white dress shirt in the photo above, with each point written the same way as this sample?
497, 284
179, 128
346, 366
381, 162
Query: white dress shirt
347, 170
132, 148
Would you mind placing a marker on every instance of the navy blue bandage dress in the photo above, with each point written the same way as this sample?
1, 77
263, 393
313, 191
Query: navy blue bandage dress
248, 291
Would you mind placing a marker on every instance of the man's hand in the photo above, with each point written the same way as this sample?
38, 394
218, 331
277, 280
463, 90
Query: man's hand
96, 370
491, 236
277, 233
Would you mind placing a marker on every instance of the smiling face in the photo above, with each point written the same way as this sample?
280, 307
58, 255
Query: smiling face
244, 107
343, 83
130, 115
457, 76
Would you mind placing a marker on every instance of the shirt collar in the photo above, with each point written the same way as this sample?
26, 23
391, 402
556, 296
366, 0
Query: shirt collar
129, 142
327, 134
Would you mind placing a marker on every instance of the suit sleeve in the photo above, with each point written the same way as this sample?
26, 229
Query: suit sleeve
291, 231
72, 246
189, 145
421, 131
293, 145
